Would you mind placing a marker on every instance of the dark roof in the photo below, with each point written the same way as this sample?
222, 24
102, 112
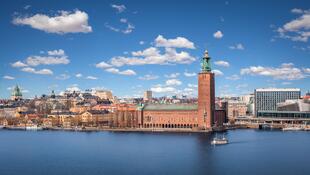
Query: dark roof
98, 111
181, 107
64, 113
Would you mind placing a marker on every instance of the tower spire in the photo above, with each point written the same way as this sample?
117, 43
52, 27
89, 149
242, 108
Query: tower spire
206, 64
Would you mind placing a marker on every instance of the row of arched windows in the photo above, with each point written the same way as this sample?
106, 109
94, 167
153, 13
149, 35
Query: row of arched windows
170, 125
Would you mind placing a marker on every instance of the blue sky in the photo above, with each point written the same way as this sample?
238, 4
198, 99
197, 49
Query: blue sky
131, 46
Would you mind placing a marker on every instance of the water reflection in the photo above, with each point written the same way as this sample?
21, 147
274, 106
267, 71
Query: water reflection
248, 152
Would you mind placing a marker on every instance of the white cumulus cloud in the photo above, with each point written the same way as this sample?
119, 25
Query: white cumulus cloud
91, 78
222, 63
173, 82
218, 34
61, 23
286, 71
19, 64
217, 72
41, 71
78, 75
179, 42
117, 71
149, 77
296, 29
189, 74
160, 89
8, 77
52, 58
153, 56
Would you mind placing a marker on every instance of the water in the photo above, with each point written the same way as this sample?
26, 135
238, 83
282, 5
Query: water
250, 152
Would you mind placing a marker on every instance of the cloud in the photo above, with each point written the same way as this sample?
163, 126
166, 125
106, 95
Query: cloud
153, 56
19, 64
141, 42
222, 63
73, 88
111, 27
63, 77
41, 71
91, 78
218, 34
7, 77
26, 7
129, 27
149, 77
296, 29
52, 58
61, 23
103, 65
119, 8
286, 71
79, 75
189, 74
306, 70
233, 77
173, 82
173, 75
217, 72
25, 91
59, 52
297, 11
179, 42
238, 46
160, 89
117, 71
46, 60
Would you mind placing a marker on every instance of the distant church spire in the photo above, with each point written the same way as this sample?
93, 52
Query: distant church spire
206, 64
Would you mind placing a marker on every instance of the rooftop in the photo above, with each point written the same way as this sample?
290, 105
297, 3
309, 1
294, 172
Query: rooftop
158, 107
276, 89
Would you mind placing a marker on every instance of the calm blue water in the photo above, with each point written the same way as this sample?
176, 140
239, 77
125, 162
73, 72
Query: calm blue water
57, 152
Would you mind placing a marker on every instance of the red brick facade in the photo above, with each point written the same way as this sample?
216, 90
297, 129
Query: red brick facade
170, 119
206, 99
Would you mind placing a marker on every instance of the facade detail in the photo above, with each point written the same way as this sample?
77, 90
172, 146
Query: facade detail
267, 99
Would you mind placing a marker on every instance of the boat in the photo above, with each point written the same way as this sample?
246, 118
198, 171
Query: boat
33, 127
1, 126
307, 129
219, 141
293, 128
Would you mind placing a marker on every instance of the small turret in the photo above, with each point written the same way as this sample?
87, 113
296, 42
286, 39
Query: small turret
206, 64
53, 94
16, 94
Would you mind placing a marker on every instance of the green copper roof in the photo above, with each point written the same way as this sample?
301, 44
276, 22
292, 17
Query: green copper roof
182, 107
206, 63
16, 92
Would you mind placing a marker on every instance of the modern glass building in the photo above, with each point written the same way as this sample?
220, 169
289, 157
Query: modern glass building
267, 99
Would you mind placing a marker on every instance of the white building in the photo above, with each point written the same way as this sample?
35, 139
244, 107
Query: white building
147, 96
267, 99
104, 94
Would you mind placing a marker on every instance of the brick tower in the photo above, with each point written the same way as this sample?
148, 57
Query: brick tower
206, 94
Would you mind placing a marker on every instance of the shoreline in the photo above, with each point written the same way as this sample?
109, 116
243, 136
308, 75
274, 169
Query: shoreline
155, 130
95, 129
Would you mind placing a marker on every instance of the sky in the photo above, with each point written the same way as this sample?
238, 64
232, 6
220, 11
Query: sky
132, 46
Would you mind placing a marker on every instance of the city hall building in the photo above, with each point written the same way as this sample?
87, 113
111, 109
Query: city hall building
195, 116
